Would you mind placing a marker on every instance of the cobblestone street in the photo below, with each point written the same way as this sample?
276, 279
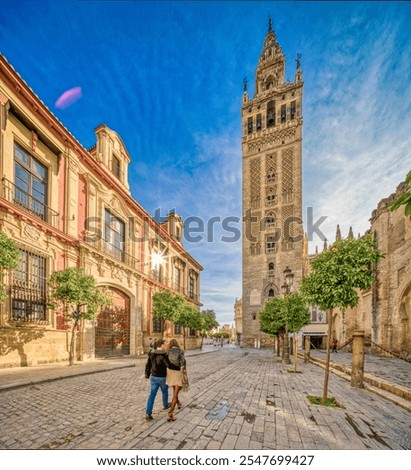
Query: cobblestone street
238, 399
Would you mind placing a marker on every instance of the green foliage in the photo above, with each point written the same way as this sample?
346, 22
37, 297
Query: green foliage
175, 308
271, 317
220, 334
337, 272
330, 401
404, 199
284, 313
9, 258
167, 305
188, 316
75, 289
207, 319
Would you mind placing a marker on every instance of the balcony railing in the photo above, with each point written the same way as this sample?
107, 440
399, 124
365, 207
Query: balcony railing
28, 203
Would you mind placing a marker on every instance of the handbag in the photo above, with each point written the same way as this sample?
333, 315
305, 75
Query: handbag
185, 386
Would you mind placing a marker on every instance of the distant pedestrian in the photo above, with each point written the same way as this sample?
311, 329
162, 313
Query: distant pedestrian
335, 344
156, 371
176, 370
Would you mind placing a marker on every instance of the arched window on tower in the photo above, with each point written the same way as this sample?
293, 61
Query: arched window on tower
271, 114
258, 123
292, 110
271, 197
270, 221
283, 113
270, 268
271, 293
271, 176
250, 125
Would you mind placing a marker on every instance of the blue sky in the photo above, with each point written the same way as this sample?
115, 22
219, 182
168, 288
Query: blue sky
168, 78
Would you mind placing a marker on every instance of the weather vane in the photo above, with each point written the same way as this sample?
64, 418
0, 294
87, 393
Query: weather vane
298, 60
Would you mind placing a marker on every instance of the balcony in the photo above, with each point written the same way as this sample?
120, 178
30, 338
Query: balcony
11, 193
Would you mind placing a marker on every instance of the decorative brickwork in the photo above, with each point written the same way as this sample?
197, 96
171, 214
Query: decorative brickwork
271, 148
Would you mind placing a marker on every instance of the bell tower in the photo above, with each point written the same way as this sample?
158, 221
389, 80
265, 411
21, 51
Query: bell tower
272, 185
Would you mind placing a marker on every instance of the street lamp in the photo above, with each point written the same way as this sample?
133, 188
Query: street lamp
286, 289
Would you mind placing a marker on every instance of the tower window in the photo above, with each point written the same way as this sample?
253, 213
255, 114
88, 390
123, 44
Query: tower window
270, 268
292, 110
270, 244
250, 125
270, 199
258, 122
270, 115
271, 176
283, 113
271, 293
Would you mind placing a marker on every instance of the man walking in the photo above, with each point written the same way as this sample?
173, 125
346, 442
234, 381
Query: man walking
156, 371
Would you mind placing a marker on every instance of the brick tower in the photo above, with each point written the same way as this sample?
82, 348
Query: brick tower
272, 185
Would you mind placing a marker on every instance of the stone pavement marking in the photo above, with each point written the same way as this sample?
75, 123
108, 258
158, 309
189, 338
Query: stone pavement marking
265, 408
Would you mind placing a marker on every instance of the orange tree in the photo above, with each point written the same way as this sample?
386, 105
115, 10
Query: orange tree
175, 308
337, 274
80, 297
283, 315
207, 322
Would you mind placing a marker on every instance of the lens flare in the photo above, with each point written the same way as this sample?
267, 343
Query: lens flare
68, 98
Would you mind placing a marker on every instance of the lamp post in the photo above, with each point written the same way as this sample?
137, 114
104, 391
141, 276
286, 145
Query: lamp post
286, 289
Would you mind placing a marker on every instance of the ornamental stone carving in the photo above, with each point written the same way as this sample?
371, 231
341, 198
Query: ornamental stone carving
31, 232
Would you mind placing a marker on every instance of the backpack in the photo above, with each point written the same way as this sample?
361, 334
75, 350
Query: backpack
174, 356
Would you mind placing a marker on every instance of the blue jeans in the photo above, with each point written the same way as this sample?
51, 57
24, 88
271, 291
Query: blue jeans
156, 383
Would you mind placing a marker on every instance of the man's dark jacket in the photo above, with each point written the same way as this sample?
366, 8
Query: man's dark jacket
156, 364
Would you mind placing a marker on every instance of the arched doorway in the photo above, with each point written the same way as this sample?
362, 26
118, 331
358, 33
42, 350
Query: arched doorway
112, 335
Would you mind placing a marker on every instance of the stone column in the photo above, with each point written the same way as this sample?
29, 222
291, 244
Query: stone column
357, 373
307, 341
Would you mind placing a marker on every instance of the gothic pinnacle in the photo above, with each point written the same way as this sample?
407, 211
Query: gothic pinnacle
270, 24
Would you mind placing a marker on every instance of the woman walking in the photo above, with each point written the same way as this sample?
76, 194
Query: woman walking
175, 369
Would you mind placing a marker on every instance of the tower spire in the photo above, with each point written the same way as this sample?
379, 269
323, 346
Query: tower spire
270, 23
338, 233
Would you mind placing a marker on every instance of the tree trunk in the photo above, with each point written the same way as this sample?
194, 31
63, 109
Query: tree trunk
72, 351
184, 338
201, 344
286, 347
295, 353
327, 361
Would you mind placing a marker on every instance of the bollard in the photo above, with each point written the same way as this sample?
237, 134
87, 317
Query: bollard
307, 341
357, 372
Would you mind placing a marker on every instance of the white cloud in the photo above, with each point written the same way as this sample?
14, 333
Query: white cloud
357, 137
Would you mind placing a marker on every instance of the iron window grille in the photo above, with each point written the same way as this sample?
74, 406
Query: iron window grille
28, 289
